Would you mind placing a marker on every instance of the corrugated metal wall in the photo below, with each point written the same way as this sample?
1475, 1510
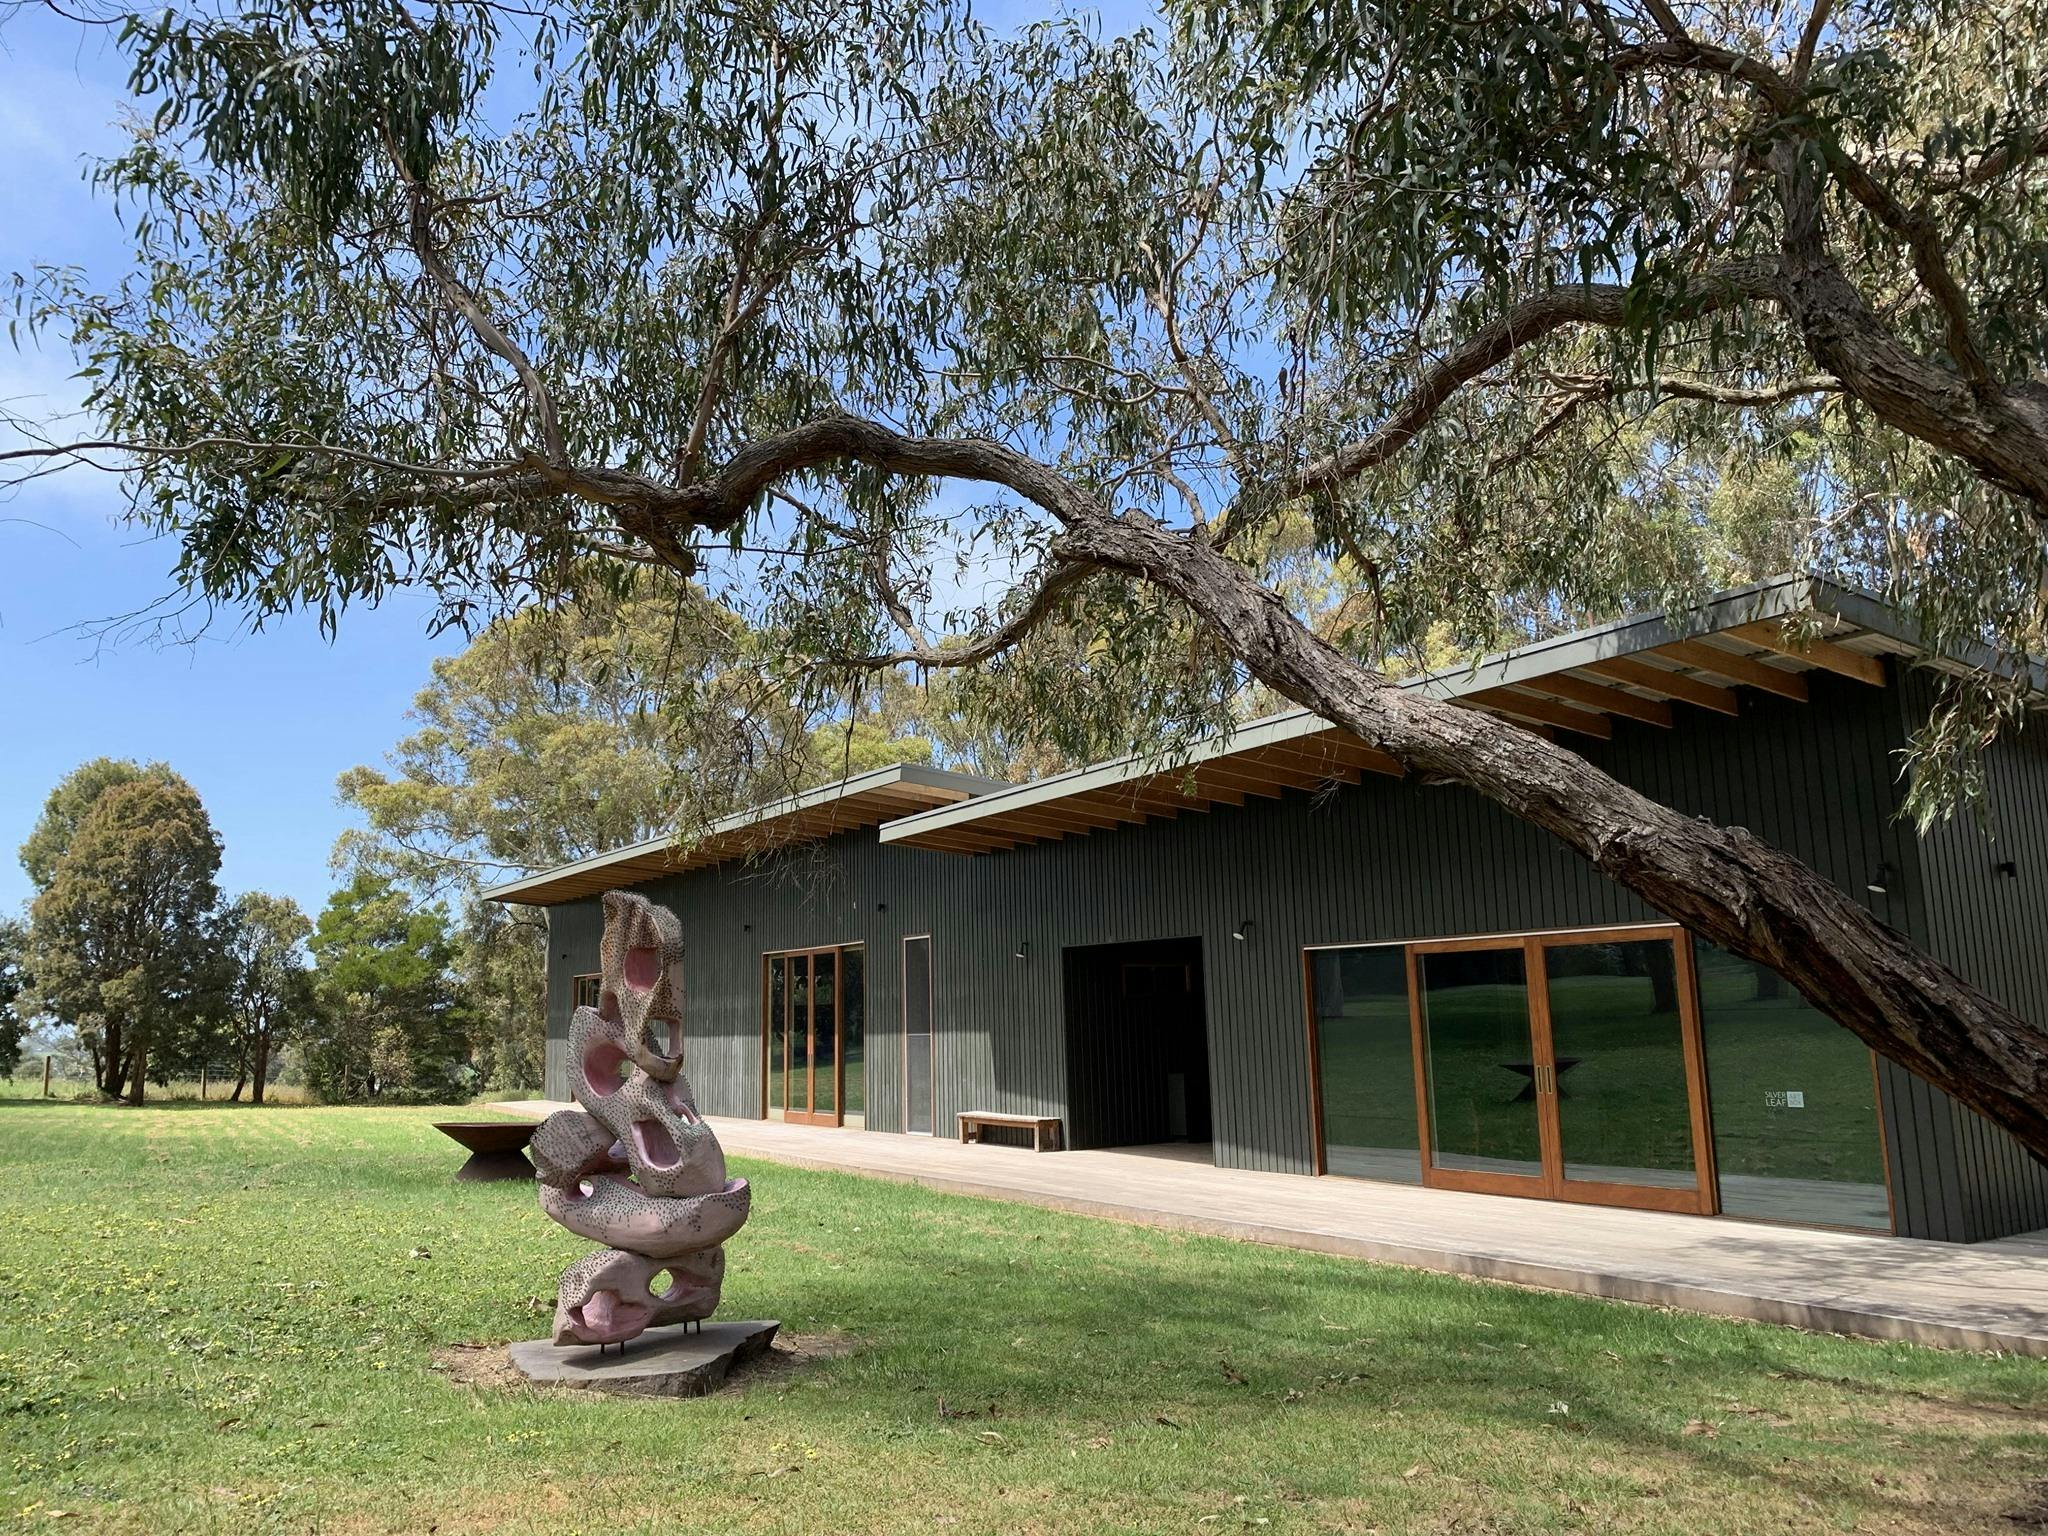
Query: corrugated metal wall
1385, 860
1955, 1174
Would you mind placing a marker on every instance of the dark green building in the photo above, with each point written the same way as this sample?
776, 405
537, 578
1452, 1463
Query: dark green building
1286, 951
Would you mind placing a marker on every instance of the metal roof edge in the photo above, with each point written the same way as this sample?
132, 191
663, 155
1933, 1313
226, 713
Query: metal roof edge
788, 805
1773, 597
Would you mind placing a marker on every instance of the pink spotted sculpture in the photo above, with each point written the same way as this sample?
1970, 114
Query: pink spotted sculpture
636, 1169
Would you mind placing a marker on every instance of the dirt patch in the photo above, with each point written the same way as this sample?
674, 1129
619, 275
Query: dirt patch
2032, 1512
481, 1365
490, 1367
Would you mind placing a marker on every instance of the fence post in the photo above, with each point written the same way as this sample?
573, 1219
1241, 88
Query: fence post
46, 1075
202, 1082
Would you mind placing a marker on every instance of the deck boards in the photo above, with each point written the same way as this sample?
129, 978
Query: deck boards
1982, 1296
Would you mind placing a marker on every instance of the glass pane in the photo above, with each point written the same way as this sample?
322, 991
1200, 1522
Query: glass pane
799, 1032
1794, 1102
1480, 1062
1618, 1040
917, 1035
1366, 1057
778, 1001
824, 1044
853, 1028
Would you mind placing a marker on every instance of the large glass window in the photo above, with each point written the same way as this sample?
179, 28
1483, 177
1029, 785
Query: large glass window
1366, 1062
1617, 1038
853, 1032
1794, 1099
1480, 1061
815, 1034
778, 1033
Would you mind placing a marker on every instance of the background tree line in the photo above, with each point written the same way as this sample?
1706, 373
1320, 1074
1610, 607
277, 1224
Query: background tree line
132, 955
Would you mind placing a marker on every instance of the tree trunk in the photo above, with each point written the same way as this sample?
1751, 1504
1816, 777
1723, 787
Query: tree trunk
262, 1072
138, 1070
117, 1062
1725, 884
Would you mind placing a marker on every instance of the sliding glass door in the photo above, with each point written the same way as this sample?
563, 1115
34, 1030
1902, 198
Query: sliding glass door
1563, 1065
812, 1035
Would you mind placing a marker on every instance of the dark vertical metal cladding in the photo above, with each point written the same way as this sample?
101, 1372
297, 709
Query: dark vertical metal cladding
1980, 883
574, 929
1385, 860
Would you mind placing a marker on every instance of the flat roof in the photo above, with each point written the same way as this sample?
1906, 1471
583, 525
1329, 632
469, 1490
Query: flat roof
1643, 668
863, 800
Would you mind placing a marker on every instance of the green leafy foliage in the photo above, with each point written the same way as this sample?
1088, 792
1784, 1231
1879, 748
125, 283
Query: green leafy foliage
271, 997
122, 945
14, 981
392, 1021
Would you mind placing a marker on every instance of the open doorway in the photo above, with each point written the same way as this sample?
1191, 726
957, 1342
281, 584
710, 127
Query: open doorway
1137, 1044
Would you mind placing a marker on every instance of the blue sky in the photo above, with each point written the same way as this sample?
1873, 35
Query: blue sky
261, 724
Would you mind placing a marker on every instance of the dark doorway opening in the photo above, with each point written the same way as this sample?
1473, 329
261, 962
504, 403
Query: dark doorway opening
1137, 1044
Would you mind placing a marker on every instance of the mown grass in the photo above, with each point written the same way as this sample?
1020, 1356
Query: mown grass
226, 1320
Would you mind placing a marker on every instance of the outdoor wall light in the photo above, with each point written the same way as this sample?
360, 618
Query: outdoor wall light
2009, 869
1022, 951
1880, 880
1243, 930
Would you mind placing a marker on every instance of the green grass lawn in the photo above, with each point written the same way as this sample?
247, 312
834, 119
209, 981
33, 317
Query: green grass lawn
223, 1320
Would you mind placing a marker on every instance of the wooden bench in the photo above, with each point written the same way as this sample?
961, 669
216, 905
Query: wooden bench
1043, 1128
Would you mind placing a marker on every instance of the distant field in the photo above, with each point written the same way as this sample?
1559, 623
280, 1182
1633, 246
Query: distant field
221, 1320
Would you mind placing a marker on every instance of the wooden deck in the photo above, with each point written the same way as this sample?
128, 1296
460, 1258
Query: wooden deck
1983, 1296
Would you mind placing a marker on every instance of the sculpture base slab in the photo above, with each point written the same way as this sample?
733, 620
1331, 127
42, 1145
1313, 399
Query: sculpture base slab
676, 1361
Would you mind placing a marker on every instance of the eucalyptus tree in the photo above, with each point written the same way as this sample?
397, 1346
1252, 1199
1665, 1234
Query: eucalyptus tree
268, 983
817, 300
122, 939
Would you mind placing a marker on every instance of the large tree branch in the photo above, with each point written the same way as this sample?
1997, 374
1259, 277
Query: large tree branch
1798, 120
1038, 602
464, 301
1999, 430
1594, 304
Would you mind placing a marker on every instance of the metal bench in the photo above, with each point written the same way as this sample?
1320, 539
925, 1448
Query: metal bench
1043, 1128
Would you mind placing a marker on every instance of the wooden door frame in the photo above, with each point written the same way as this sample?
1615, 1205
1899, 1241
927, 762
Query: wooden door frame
1536, 1185
1701, 1199
836, 1117
1551, 1183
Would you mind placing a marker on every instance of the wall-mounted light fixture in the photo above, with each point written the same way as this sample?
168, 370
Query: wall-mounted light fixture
1880, 880
746, 927
1243, 930
1022, 951
881, 906
2009, 869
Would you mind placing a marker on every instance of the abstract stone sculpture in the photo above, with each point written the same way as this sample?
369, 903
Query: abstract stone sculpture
637, 1169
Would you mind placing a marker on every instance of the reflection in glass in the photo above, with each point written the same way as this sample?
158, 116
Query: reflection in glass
1479, 1061
824, 1053
778, 1032
1794, 1101
1366, 1062
853, 1030
799, 1033
1618, 1040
